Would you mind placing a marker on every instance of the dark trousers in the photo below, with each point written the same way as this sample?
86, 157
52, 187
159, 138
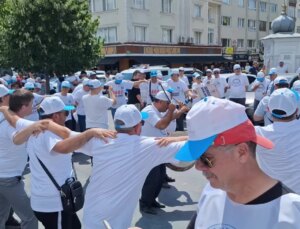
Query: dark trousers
179, 123
50, 220
256, 102
241, 101
81, 123
152, 186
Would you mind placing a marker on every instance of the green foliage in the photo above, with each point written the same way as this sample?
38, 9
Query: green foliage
48, 35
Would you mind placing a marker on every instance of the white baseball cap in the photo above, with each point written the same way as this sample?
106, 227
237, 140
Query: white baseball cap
283, 103
208, 70
129, 115
236, 66
30, 80
66, 84
273, 71
174, 71
281, 80
260, 75
93, 84
29, 86
4, 91
181, 69
214, 121
216, 70
38, 85
54, 104
3, 81
85, 82
119, 76
296, 86
163, 96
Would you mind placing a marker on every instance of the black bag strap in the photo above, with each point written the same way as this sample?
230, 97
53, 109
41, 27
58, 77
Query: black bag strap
49, 174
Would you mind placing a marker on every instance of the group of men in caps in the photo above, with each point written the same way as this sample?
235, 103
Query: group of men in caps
252, 175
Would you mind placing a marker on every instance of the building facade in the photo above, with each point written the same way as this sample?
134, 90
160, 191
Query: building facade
183, 31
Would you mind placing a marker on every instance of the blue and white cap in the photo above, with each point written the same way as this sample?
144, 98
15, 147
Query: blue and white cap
54, 104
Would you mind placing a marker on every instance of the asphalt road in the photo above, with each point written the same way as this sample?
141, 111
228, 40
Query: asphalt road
180, 200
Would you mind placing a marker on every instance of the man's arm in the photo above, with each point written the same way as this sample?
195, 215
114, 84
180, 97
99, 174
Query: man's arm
9, 115
165, 121
136, 84
181, 111
168, 140
71, 144
112, 95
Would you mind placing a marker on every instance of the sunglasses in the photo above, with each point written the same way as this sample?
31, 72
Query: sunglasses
207, 162
237, 69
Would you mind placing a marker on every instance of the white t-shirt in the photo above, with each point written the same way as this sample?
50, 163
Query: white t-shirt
144, 90
216, 210
96, 107
13, 158
238, 85
37, 99
260, 92
283, 161
207, 81
78, 100
119, 91
119, 172
68, 100
185, 79
282, 70
77, 88
220, 84
44, 195
179, 88
270, 88
196, 91
149, 129
263, 111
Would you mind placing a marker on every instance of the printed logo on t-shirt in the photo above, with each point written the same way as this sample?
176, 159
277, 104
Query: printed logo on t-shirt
221, 226
236, 83
119, 93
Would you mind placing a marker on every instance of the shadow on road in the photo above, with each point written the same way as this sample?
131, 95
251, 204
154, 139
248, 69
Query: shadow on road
81, 159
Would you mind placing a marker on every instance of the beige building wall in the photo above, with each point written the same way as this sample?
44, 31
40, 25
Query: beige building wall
198, 22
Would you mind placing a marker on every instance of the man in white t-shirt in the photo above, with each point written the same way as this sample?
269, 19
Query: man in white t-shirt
120, 169
282, 68
283, 162
45, 198
119, 87
180, 92
161, 115
34, 116
208, 78
196, 87
273, 75
68, 100
239, 193
238, 84
84, 90
220, 83
183, 77
96, 105
262, 112
259, 86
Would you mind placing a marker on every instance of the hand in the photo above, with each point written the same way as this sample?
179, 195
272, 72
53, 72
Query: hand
4, 108
162, 142
102, 134
194, 96
184, 109
39, 127
171, 107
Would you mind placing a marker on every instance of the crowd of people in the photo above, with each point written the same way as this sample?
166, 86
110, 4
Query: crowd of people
251, 170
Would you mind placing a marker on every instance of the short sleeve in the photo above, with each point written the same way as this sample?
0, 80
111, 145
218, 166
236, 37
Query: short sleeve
261, 108
153, 118
23, 123
128, 85
107, 102
50, 140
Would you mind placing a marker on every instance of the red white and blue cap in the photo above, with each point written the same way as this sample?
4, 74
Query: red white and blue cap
214, 121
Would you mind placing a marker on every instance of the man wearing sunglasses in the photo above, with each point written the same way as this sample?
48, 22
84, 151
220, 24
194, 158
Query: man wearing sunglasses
238, 84
239, 195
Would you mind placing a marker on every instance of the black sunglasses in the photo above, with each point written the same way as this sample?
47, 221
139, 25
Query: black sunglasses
207, 162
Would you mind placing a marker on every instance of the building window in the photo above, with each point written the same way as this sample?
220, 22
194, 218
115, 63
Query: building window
109, 5
140, 33
241, 22
226, 20
263, 26
225, 42
109, 34
197, 11
298, 13
252, 4
263, 6
139, 4
211, 17
251, 25
273, 8
167, 35
240, 43
166, 6
241, 3
251, 43
298, 29
226, 2
210, 38
197, 38
291, 11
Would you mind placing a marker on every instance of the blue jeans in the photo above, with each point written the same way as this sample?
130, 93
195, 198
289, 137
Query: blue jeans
81, 123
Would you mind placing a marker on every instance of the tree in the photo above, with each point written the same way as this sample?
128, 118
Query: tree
48, 35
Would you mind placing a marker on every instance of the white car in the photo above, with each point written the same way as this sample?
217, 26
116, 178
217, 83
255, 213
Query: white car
165, 71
